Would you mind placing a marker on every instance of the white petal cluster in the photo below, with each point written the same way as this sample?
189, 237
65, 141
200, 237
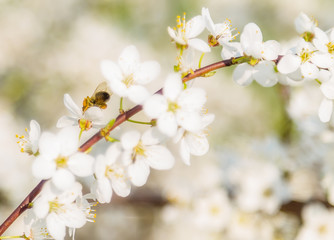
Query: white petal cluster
127, 77
185, 33
261, 67
318, 223
176, 107
30, 144
59, 210
59, 159
92, 115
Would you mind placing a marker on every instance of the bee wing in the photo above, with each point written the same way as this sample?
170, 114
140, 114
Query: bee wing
102, 87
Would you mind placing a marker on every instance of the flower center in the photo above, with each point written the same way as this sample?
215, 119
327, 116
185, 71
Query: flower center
128, 80
138, 150
180, 31
85, 124
214, 210
114, 172
172, 107
330, 47
308, 36
305, 55
55, 206
268, 192
322, 229
61, 162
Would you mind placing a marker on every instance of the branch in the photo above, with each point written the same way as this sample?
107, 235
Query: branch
98, 136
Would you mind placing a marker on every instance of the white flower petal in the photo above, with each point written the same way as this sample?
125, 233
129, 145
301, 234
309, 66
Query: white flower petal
152, 136
270, 50
94, 114
139, 172
265, 74
73, 217
327, 88
288, 64
231, 49
130, 139
159, 157
155, 106
194, 27
43, 168
102, 190
323, 60
303, 23
172, 86
35, 131
100, 167
207, 119
66, 121
184, 152
197, 143
81, 164
192, 99
34, 135
167, 124
147, 72
309, 70
129, 60
243, 74
171, 32
325, 110
199, 45
118, 88
320, 40
138, 94
121, 187
113, 153
55, 227
69, 140
63, 179
208, 21
111, 71
251, 38
49, 146
71, 106
190, 121
41, 207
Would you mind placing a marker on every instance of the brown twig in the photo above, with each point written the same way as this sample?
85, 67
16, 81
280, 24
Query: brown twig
98, 136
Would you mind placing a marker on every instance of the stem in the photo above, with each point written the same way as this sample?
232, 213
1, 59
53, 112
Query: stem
121, 105
22, 207
10, 237
139, 122
200, 60
122, 117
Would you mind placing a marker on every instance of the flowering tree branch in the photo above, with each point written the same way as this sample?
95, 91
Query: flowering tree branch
121, 118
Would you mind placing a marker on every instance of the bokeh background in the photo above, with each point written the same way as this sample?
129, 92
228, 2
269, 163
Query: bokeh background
48, 48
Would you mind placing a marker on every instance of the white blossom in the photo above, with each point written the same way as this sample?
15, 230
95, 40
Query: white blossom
60, 160
176, 106
193, 143
92, 117
221, 33
260, 67
30, 144
127, 77
59, 210
318, 223
185, 33
110, 174
143, 152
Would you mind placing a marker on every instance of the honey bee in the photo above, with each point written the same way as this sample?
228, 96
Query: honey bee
99, 98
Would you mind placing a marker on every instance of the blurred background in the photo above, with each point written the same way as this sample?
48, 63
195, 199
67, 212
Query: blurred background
49, 48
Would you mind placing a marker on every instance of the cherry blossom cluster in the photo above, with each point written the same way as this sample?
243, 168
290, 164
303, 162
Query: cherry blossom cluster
176, 114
